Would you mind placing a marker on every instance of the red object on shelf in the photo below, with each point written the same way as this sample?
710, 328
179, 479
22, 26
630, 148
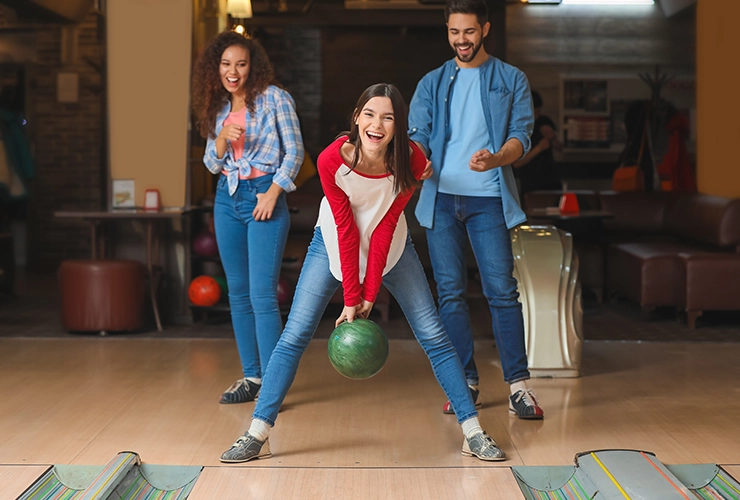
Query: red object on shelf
569, 204
152, 200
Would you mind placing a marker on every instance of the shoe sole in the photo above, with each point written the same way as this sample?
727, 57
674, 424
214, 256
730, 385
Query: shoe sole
257, 457
486, 459
526, 417
221, 401
452, 412
265, 452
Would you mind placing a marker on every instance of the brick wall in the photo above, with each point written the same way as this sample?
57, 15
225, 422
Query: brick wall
295, 53
66, 140
357, 57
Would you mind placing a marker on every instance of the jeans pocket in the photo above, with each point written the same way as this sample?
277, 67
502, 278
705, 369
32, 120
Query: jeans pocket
262, 184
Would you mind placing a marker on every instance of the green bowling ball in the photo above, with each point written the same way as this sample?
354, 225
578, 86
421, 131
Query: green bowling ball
358, 350
221, 280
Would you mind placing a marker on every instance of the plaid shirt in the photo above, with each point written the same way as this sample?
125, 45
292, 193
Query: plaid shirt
272, 142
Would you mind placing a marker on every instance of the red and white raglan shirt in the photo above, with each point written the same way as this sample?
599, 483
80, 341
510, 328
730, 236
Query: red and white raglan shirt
362, 222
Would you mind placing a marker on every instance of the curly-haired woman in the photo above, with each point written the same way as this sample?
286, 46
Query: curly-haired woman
254, 143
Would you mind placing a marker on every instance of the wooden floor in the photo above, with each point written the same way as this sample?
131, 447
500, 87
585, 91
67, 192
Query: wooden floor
82, 400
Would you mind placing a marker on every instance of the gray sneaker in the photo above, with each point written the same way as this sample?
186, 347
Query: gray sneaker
246, 448
524, 405
241, 391
484, 447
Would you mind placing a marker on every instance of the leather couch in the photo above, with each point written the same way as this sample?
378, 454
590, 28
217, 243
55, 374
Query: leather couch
689, 259
671, 249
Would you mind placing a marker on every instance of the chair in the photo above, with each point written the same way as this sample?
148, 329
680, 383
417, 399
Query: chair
101, 295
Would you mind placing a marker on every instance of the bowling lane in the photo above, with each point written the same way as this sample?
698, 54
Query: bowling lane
15, 479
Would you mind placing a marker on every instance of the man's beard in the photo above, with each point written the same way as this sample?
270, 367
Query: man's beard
471, 56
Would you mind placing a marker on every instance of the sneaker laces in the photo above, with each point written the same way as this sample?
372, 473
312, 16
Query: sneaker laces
242, 439
236, 385
488, 440
527, 397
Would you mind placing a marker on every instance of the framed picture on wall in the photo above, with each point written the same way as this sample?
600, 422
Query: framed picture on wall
124, 193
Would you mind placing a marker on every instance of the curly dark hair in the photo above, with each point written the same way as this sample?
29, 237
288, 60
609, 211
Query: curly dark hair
209, 94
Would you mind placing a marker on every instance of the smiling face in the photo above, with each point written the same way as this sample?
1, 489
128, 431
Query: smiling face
466, 39
376, 125
234, 68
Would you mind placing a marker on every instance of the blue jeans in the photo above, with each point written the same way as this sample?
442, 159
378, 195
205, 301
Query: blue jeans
251, 254
481, 220
316, 285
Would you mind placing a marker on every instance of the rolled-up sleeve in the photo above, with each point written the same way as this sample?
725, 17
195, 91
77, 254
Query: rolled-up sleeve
211, 159
521, 123
420, 115
289, 130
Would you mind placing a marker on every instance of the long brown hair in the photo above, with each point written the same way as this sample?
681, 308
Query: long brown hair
209, 94
397, 157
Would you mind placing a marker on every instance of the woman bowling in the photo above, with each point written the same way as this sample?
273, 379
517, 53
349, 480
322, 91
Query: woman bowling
360, 241
254, 143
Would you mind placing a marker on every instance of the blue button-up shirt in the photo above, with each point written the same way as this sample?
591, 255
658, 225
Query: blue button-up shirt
507, 106
272, 142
